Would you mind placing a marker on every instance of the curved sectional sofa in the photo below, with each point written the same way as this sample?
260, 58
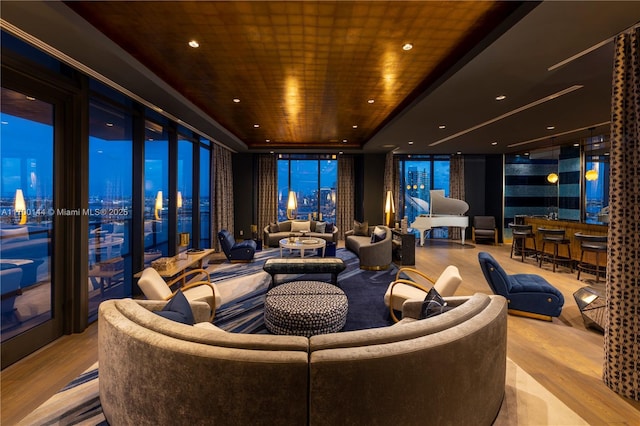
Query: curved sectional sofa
448, 369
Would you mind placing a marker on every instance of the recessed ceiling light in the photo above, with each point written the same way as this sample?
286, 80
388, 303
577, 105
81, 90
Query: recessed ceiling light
501, 98
236, 100
407, 46
494, 143
109, 124
596, 145
410, 142
551, 127
340, 152
267, 140
344, 141
526, 153
442, 126
194, 44
459, 152
355, 126
30, 98
576, 144
4, 122
371, 101
606, 153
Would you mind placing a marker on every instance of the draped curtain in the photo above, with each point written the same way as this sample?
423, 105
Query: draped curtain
345, 206
223, 193
456, 187
622, 331
267, 191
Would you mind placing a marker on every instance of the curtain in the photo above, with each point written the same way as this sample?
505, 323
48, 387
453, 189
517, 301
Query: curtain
456, 187
267, 191
346, 184
622, 330
223, 193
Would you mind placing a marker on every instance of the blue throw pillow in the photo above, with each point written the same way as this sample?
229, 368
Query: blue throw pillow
178, 309
378, 234
433, 305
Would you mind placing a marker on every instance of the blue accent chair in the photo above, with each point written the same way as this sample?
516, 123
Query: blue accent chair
527, 295
236, 252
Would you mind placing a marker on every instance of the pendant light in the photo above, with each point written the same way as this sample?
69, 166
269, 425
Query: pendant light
591, 174
552, 177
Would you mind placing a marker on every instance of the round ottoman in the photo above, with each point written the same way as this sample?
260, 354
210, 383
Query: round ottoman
305, 308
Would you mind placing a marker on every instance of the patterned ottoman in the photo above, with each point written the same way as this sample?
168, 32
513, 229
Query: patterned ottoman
305, 308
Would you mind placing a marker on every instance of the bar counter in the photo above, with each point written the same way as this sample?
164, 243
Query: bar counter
570, 227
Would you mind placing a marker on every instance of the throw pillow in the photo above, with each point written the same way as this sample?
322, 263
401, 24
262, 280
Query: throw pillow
433, 305
178, 309
321, 227
273, 228
378, 234
302, 226
361, 228
329, 228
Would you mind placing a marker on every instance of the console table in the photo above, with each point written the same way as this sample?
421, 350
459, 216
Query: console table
184, 262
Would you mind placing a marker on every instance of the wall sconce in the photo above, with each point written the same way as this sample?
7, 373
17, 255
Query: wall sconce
20, 207
591, 175
552, 178
389, 207
292, 205
158, 206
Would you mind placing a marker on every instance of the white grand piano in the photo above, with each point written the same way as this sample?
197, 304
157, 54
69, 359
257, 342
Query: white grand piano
443, 211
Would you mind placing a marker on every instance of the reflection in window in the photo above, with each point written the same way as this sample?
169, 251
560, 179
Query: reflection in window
205, 190
597, 189
26, 212
156, 191
314, 180
185, 193
110, 204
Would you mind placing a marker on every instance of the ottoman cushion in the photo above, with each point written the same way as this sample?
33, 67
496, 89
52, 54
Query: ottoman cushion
305, 308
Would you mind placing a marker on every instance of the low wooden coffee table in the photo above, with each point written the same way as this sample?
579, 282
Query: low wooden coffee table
302, 244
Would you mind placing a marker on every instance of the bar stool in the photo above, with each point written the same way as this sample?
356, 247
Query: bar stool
557, 238
596, 244
520, 234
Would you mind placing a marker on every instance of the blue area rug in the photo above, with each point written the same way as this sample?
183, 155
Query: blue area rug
364, 289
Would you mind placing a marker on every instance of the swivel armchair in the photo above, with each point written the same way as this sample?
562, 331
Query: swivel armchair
236, 252
527, 295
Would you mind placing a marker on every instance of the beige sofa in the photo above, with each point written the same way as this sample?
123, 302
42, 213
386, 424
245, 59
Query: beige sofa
270, 239
448, 369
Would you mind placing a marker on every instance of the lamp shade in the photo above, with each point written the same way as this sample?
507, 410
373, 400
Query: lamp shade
179, 200
591, 174
158, 206
20, 206
292, 202
388, 205
552, 178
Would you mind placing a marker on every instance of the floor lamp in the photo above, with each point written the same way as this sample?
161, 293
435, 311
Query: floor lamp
389, 208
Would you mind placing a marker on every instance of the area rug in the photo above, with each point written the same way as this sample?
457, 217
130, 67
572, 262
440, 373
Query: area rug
364, 289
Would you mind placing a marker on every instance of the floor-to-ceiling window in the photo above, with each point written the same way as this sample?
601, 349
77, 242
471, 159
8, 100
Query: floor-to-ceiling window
205, 191
27, 212
156, 186
418, 175
110, 201
185, 192
314, 180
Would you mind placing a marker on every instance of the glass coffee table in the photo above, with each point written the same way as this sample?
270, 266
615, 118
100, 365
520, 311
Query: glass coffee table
302, 244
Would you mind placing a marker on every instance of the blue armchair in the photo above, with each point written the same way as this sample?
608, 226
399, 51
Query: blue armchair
527, 295
236, 252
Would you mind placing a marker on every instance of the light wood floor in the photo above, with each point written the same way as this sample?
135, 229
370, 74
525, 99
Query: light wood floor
562, 355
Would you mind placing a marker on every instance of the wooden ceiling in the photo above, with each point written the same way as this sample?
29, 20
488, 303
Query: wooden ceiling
303, 71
